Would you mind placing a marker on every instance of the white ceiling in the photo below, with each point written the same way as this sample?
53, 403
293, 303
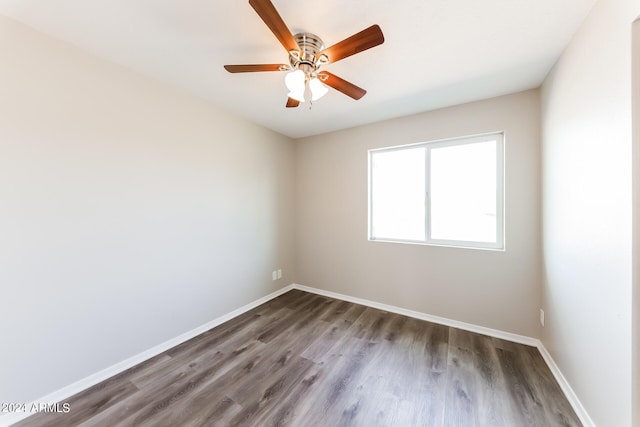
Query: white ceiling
436, 53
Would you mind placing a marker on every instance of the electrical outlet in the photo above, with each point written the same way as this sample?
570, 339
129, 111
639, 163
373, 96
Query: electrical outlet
274, 275
279, 273
542, 317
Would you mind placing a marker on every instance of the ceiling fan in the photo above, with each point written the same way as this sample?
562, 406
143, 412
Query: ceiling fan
307, 55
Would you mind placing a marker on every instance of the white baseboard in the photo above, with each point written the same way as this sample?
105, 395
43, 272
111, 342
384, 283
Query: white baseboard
83, 384
91, 380
521, 339
581, 412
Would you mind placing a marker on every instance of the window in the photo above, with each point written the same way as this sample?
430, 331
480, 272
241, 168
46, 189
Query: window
443, 192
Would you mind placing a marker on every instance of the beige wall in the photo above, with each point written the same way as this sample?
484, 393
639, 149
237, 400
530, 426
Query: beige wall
129, 213
587, 212
635, 329
494, 289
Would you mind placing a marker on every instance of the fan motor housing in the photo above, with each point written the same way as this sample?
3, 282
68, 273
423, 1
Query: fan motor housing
306, 59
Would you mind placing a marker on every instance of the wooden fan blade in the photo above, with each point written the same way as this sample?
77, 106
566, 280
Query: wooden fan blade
292, 103
365, 39
343, 86
267, 11
252, 68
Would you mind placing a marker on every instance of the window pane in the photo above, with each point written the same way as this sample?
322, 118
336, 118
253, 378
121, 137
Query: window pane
463, 192
398, 194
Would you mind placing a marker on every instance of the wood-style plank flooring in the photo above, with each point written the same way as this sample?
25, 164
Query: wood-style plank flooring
307, 360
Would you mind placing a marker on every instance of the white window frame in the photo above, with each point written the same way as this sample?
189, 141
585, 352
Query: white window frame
499, 244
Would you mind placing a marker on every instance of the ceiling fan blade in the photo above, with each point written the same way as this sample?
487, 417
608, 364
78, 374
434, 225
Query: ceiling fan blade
365, 39
267, 11
292, 103
342, 85
252, 68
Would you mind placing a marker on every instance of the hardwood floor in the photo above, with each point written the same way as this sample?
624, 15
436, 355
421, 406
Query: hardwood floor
308, 360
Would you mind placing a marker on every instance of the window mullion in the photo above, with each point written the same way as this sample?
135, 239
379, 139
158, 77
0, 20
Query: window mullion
427, 198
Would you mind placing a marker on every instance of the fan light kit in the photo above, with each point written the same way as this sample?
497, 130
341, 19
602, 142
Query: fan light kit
304, 68
307, 54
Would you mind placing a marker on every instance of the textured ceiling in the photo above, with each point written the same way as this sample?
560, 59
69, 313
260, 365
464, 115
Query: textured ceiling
436, 53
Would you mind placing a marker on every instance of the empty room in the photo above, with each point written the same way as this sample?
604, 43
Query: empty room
271, 212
